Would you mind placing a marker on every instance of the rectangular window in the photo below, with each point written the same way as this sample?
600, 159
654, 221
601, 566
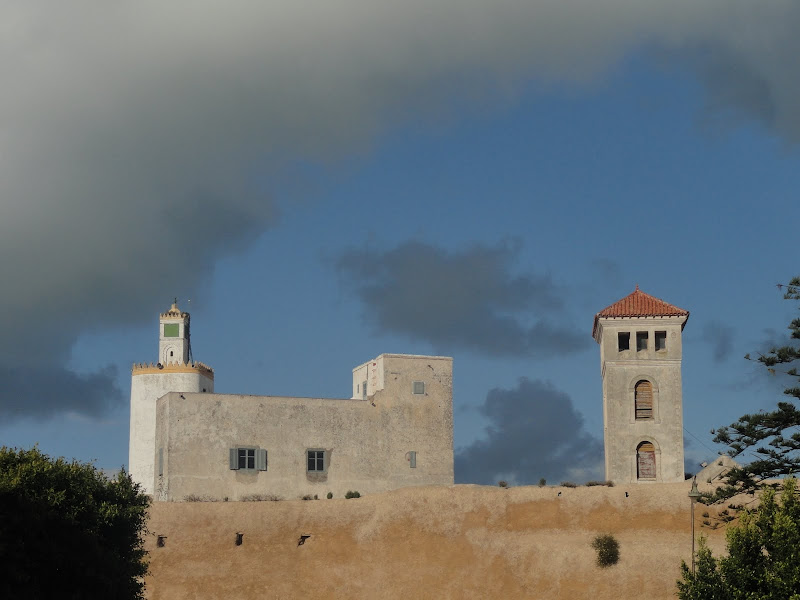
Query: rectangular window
316, 460
661, 340
364, 390
160, 462
171, 329
419, 387
641, 341
624, 341
248, 458
412, 459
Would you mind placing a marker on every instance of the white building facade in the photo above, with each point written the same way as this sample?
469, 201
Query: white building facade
186, 441
640, 359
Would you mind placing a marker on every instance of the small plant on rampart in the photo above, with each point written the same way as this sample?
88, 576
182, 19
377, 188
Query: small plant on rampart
351, 494
542, 482
502, 484
569, 484
260, 498
329, 496
607, 548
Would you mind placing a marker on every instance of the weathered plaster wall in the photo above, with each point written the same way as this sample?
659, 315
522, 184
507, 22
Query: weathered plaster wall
439, 543
620, 372
367, 441
146, 388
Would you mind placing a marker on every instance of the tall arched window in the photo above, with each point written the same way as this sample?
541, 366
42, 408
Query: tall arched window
643, 399
646, 461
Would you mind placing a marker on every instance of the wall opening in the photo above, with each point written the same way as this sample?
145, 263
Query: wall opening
643, 400
646, 461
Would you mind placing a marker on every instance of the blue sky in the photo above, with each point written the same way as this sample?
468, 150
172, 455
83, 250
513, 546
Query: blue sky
478, 186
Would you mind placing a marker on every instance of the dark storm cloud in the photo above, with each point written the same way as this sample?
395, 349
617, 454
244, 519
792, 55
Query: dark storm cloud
533, 432
40, 392
467, 299
131, 133
720, 337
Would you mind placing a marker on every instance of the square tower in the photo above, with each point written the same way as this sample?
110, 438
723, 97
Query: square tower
640, 361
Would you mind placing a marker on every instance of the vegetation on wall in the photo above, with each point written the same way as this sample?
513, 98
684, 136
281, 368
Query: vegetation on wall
68, 532
762, 561
773, 436
607, 548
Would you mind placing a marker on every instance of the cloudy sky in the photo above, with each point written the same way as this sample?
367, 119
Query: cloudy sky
322, 182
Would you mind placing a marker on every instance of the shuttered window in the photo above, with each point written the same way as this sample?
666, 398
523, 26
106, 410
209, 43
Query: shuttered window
646, 461
247, 459
643, 399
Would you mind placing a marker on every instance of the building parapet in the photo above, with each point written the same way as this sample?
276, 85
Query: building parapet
194, 367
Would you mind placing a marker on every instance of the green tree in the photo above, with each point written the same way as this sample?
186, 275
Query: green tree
771, 435
68, 532
763, 561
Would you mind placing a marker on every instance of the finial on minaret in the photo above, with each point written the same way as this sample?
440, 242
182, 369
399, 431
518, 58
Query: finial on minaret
637, 289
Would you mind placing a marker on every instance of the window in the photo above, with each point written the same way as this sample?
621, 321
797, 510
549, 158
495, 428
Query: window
641, 341
171, 329
646, 461
661, 340
248, 458
316, 461
419, 387
624, 341
364, 390
643, 400
411, 457
160, 462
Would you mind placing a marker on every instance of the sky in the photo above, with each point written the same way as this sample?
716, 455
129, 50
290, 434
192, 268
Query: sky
322, 182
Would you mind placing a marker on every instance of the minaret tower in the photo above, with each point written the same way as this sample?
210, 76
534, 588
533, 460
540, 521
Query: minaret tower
640, 359
174, 372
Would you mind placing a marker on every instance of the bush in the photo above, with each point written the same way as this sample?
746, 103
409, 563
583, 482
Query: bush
568, 484
260, 498
330, 495
503, 484
761, 558
542, 482
595, 483
607, 548
67, 531
351, 494
198, 498
307, 497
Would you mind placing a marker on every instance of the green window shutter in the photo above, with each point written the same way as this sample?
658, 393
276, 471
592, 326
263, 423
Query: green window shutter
233, 459
171, 329
261, 459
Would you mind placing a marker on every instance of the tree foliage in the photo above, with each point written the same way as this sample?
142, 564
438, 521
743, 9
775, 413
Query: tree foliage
771, 435
763, 561
66, 531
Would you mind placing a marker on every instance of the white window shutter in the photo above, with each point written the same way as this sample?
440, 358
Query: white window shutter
233, 459
261, 459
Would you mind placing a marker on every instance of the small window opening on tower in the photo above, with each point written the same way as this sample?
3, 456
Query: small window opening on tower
171, 353
646, 461
643, 400
624, 341
661, 340
419, 387
641, 341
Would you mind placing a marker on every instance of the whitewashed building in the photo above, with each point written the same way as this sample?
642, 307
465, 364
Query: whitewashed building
395, 430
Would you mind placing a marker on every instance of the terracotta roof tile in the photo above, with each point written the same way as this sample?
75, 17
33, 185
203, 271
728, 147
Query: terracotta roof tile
639, 304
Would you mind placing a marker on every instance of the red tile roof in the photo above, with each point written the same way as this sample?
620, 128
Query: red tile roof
639, 304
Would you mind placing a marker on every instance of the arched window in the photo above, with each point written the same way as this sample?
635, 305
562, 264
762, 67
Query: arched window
645, 461
643, 399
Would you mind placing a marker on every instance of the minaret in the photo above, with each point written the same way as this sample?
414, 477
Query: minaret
640, 358
173, 372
